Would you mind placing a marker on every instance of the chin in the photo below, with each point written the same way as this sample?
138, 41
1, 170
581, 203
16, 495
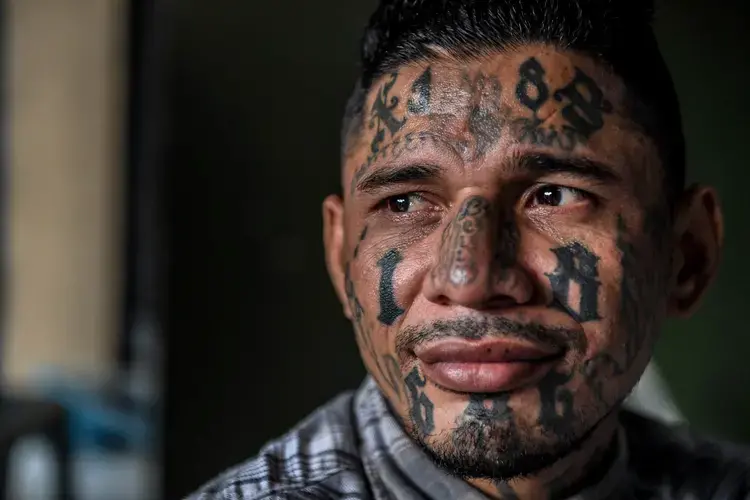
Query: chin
475, 449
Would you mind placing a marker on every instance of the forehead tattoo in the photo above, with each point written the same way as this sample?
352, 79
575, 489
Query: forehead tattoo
559, 109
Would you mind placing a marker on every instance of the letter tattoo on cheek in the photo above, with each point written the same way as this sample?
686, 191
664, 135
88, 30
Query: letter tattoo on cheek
576, 264
386, 365
456, 264
422, 409
556, 412
389, 309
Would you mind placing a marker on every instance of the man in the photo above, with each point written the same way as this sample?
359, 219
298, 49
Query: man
512, 231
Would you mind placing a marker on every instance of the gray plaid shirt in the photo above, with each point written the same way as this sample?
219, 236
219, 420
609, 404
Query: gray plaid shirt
354, 448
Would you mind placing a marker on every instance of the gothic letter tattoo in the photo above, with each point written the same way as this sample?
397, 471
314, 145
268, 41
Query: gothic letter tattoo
575, 263
389, 310
382, 118
556, 412
422, 408
583, 115
489, 407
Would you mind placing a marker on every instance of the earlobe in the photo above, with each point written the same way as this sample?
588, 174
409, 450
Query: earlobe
333, 241
699, 238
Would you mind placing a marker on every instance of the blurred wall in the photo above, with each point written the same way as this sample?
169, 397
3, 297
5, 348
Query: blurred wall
256, 338
64, 117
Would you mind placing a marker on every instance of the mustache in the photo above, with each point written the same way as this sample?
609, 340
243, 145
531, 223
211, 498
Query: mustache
476, 328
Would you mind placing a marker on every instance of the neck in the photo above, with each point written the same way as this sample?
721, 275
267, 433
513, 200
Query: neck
583, 467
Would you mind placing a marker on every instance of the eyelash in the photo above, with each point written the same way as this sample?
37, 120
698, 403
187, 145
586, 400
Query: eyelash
585, 195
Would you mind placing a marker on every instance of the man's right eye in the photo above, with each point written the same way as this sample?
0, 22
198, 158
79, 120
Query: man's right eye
405, 203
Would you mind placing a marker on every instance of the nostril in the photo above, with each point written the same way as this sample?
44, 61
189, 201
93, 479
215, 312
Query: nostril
442, 300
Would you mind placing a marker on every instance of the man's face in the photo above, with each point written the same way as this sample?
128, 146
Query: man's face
504, 254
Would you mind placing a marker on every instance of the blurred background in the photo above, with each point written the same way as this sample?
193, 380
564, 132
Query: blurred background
165, 304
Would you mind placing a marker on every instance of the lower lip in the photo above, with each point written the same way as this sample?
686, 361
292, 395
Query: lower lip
486, 377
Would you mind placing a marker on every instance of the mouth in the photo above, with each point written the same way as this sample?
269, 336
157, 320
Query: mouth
485, 366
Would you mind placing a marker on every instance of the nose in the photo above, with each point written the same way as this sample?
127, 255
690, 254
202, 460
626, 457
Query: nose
477, 262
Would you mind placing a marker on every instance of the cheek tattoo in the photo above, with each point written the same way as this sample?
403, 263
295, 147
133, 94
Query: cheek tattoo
386, 365
389, 310
422, 409
556, 412
644, 277
576, 264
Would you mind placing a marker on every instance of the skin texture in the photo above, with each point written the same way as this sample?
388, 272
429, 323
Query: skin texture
513, 197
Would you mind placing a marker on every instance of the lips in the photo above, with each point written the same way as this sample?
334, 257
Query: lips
491, 365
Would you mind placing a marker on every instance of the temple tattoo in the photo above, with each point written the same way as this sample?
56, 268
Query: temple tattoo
382, 119
583, 112
456, 264
422, 409
419, 102
575, 263
384, 122
389, 309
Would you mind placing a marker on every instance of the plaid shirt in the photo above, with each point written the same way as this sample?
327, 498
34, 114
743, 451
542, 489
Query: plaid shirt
354, 448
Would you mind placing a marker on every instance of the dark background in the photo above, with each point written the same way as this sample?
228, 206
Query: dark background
255, 336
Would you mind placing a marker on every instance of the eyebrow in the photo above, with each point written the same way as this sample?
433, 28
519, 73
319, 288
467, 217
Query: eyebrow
390, 175
541, 164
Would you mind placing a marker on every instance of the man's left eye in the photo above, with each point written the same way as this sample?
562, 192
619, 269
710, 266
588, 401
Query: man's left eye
405, 203
552, 195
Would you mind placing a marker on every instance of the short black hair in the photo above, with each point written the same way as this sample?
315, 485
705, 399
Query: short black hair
616, 33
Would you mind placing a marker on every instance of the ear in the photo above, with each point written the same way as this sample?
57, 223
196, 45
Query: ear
334, 243
699, 228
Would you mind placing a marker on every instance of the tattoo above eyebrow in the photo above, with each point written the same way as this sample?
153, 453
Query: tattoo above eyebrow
540, 164
390, 175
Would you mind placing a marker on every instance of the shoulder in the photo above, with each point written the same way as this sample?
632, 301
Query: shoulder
317, 459
679, 463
